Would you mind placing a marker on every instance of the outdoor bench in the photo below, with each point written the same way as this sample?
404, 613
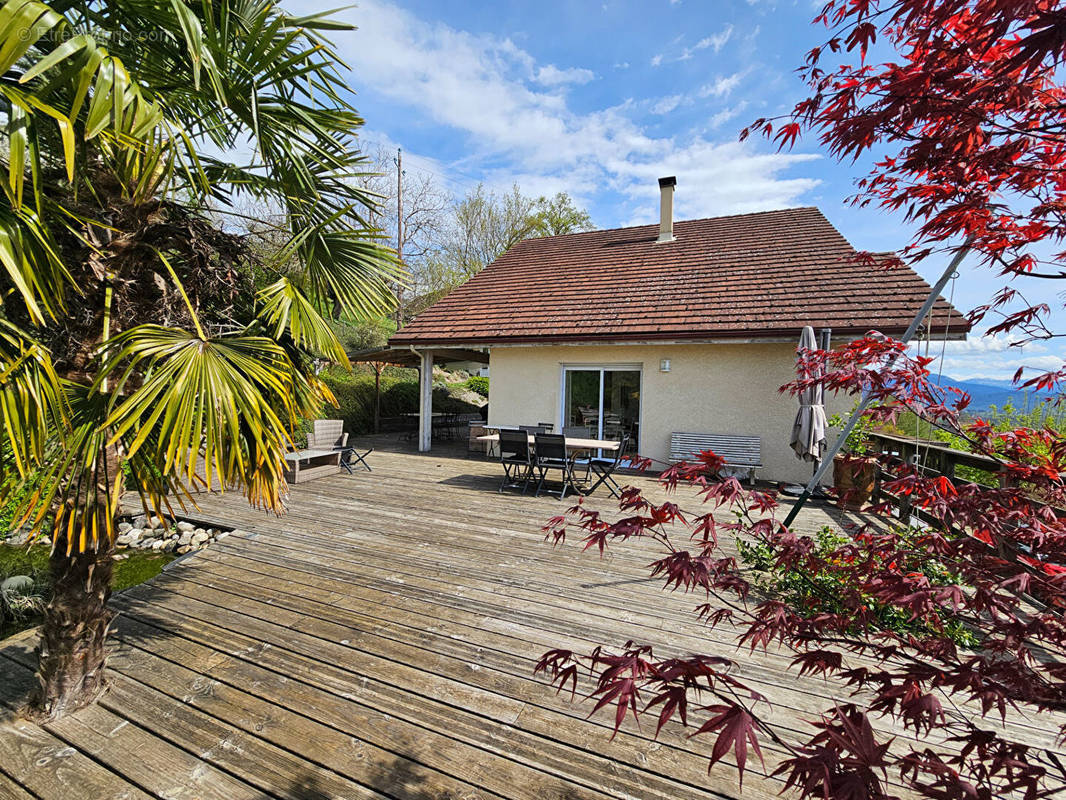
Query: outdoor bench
739, 452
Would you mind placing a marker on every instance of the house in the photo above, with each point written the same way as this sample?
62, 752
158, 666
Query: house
653, 329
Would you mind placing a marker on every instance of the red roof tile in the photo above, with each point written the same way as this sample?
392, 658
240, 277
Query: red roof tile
750, 276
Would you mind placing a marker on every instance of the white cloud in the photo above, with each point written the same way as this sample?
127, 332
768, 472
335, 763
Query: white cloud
372, 140
715, 41
979, 343
551, 75
482, 88
982, 357
721, 86
666, 104
1002, 368
714, 179
720, 118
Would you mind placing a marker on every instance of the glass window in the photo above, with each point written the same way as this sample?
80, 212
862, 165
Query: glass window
604, 400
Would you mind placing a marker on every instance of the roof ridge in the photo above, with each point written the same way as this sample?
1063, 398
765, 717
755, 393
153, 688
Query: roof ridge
676, 222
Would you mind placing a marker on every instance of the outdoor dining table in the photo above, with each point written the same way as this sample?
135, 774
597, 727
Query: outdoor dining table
572, 443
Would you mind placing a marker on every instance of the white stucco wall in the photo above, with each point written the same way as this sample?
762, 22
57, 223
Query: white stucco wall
711, 388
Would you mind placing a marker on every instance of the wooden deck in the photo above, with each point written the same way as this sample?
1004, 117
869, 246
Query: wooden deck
378, 641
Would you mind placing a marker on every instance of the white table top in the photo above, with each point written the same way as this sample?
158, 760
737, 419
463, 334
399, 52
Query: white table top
300, 455
572, 443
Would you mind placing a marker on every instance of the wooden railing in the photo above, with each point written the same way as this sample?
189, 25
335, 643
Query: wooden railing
930, 457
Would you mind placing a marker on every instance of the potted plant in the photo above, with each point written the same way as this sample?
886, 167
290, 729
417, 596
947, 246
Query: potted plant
854, 469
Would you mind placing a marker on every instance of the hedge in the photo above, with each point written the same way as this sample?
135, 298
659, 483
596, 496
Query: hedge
355, 399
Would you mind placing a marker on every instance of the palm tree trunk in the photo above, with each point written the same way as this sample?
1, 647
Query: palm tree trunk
72, 651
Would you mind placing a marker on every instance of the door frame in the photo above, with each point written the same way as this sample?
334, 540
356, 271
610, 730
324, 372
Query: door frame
622, 366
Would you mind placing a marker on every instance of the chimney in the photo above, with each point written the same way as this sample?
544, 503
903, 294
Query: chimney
666, 209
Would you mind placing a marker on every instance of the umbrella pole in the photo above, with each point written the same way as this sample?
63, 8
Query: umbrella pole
860, 409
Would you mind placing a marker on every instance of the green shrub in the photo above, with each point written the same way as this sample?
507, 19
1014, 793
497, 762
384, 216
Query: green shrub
8, 508
813, 594
479, 384
355, 399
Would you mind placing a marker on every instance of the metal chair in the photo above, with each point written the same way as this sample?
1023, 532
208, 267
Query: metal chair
580, 458
578, 432
604, 468
350, 458
550, 453
445, 426
540, 427
516, 459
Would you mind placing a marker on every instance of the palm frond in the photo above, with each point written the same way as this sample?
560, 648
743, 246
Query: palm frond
77, 487
351, 268
284, 309
228, 402
32, 263
32, 399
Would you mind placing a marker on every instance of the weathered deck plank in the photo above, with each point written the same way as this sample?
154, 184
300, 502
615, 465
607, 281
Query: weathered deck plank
378, 642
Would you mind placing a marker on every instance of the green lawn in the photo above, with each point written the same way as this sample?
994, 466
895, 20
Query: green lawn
33, 561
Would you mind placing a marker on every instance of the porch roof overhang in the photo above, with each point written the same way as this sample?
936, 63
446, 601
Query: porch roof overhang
764, 336
411, 356
423, 359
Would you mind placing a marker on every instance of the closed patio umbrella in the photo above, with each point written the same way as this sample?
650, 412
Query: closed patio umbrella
808, 431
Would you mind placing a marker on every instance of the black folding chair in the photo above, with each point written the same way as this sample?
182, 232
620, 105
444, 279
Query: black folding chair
604, 468
350, 458
550, 453
541, 427
516, 460
578, 431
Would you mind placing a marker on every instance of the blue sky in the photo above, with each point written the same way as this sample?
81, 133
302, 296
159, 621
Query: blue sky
599, 99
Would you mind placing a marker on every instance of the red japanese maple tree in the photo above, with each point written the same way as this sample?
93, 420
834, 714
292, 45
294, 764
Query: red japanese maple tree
952, 626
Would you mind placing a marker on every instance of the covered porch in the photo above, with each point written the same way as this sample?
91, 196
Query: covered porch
422, 359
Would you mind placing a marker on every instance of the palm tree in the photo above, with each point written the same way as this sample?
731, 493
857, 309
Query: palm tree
135, 354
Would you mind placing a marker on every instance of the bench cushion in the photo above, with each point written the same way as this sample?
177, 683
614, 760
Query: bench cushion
736, 450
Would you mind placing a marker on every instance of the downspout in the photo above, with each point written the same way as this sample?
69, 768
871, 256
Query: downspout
864, 403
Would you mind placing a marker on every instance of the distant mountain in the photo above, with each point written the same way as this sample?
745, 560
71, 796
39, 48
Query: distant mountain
986, 392
999, 384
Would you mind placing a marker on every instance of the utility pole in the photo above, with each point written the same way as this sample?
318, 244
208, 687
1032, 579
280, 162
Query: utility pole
399, 231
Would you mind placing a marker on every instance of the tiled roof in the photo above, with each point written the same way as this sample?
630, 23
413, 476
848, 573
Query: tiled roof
752, 275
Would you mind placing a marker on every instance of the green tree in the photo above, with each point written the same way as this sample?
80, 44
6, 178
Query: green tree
483, 226
133, 338
364, 334
557, 215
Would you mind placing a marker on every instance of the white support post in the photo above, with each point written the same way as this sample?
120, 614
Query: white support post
425, 402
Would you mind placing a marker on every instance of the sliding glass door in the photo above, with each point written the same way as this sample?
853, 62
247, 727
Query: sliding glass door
605, 400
